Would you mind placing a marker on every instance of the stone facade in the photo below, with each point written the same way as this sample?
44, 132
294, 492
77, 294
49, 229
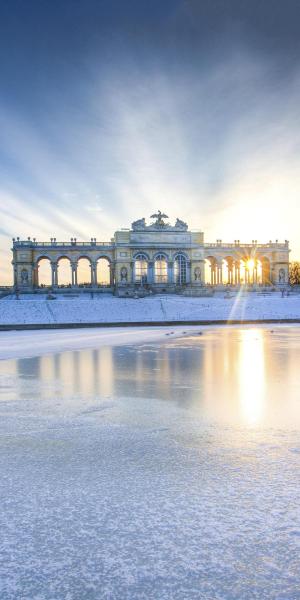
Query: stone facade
156, 257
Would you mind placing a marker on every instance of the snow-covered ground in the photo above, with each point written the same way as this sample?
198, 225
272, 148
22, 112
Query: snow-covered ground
36, 309
25, 344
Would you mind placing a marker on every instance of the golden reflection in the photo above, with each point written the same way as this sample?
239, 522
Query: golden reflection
46, 368
103, 363
252, 375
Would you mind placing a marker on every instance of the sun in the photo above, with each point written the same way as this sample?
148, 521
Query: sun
250, 264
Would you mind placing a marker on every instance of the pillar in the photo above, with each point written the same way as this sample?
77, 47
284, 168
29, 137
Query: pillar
111, 274
54, 277
94, 274
230, 272
219, 274
255, 274
132, 273
74, 274
212, 274
237, 273
150, 277
188, 271
35, 276
170, 272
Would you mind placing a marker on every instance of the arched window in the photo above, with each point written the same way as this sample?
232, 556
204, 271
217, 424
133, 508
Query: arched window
161, 269
141, 269
180, 269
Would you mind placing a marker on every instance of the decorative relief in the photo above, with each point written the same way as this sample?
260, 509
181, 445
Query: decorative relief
24, 277
124, 275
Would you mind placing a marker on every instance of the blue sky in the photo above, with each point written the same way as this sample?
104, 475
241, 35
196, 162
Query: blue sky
112, 109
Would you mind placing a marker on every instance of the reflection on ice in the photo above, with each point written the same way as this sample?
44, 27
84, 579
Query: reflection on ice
159, 470
252, 374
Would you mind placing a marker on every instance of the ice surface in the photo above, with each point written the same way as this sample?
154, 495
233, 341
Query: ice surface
161, 469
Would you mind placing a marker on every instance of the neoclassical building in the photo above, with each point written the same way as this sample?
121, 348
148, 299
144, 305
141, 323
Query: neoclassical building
158, 257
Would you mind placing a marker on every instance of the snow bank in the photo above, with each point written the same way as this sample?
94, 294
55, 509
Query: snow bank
36, 309
25, 344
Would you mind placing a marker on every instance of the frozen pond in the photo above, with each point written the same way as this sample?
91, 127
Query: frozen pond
157, 470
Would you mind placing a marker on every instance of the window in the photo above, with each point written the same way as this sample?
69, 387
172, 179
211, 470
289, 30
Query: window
180, 269
141, 269
161, 269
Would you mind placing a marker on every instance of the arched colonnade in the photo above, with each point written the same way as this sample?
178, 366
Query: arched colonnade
160, 269
82, 271
237, 271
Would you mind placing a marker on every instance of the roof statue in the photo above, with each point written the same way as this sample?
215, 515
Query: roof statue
181, 225
159, 216
139, 225
159, 224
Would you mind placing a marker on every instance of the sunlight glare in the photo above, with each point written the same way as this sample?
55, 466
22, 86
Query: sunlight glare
252, 375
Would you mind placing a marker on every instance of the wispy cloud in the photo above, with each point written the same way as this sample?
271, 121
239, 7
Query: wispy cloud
218, 147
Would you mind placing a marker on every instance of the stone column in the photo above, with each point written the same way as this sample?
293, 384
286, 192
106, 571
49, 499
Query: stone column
74, 274
35, 276
215, 274
94, 274
188, 271
219, 276
111, 274
255, 273
237, 273
131, 275
54, 278
170, 272
150, 277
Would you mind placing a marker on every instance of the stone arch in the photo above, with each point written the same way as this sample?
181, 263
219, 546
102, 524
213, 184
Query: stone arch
210, 270
228, 268
186, 256
145, 254
84, 270
64, 271
103, 271
43, 271
161, 253
104, 255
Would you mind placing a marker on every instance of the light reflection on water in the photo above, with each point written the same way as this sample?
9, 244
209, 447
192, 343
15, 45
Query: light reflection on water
244, 376
160, 471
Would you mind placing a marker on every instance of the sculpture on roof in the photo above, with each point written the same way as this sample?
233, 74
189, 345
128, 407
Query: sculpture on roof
158, 224
159, 216
181, 225
138, 225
